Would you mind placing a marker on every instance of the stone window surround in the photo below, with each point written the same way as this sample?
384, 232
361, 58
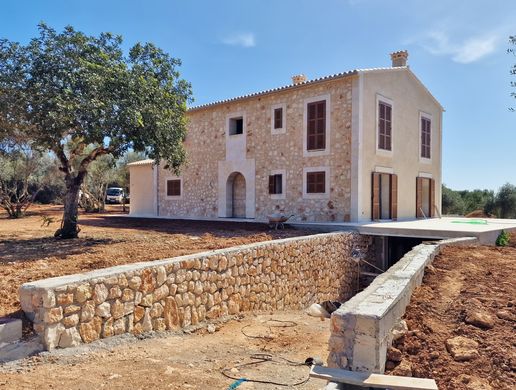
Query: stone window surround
428, 116
283, 129
283, 174
174, 197
326, 151
233, 115
326, 194
382, 99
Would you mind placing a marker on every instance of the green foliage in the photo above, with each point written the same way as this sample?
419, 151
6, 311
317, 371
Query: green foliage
81, 97
452, 202
503, 239
506, 201
501, 204
23, 172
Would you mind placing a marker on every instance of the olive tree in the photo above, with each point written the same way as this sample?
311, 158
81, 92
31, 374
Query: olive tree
70, 88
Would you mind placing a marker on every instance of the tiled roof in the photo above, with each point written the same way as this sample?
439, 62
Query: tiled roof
141, 162
290, 86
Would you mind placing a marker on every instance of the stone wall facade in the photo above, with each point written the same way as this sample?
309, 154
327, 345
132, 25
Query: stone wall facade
213, 156
175, 293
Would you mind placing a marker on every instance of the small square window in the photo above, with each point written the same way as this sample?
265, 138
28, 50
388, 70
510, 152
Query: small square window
316, 182
276, 184
174, 187
236, 126
278, 118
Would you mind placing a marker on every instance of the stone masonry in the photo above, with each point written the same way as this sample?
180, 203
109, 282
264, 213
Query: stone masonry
206, 147
174, 293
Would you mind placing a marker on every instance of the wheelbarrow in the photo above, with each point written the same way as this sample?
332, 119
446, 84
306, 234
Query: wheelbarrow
278, 220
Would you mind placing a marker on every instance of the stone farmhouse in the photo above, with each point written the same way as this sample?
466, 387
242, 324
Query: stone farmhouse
351, 147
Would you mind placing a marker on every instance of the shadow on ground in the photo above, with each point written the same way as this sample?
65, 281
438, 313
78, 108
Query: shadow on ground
30, 249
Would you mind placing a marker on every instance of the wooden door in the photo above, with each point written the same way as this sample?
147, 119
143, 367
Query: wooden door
239, 196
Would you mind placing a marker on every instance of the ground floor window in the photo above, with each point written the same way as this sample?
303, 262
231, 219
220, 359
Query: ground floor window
384, 196
316, 182
174, 187
425, 197
276, 184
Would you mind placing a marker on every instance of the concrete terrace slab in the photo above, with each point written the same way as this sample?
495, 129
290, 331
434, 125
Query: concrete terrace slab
486, 230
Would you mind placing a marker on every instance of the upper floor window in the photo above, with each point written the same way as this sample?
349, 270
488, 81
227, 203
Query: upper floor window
316, 125
236, 126
278, 118
384, 126
174, 187
276, 184
426, 126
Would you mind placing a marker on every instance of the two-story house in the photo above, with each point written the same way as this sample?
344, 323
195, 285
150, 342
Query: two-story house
355, 146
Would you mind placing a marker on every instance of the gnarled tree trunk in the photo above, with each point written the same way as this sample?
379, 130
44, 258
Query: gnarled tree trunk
69, 227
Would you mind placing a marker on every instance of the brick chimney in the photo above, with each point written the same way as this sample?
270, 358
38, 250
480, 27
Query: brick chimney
298, 79
399, 58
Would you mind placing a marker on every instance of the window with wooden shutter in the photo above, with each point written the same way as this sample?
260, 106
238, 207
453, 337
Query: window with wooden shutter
375, 196
316, 125
316, 182
384, 126
278, 118
394, 196
174, 187
426, 126
275, 184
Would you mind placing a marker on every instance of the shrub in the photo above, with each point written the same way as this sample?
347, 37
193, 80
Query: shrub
503, 239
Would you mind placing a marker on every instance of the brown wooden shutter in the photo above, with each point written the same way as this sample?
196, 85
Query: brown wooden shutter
271, 184
419, 197
394, 197
432, 198
375, 197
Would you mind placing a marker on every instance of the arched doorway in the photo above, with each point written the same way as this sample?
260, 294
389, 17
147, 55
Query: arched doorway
236, 195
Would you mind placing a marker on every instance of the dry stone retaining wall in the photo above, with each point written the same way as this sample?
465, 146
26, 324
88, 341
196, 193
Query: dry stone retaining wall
174, 293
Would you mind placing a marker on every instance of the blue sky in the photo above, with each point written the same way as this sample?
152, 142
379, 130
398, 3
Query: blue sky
228, 48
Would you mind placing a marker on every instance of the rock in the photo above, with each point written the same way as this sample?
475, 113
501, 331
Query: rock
71, 320
462, 349
83, 293
480, 319
119, 326
211, 328
434, 355
505, 315
399, 330
117, 309
63, 299
403, 369
100, 293
90, 331
148, 281
49, 299
52, 335
127, 295
70, 338
135, 282
72, 309
156, 310
390, 365
394, 354
161, 275
115, 292
54, 315
430, 269
473, 382
147, 323
160, 293
139, 311
103, 310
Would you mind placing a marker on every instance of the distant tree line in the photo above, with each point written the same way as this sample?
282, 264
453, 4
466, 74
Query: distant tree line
500, 204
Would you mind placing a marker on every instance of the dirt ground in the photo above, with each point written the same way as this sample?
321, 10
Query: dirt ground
185, 361
28, 250
465, 281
